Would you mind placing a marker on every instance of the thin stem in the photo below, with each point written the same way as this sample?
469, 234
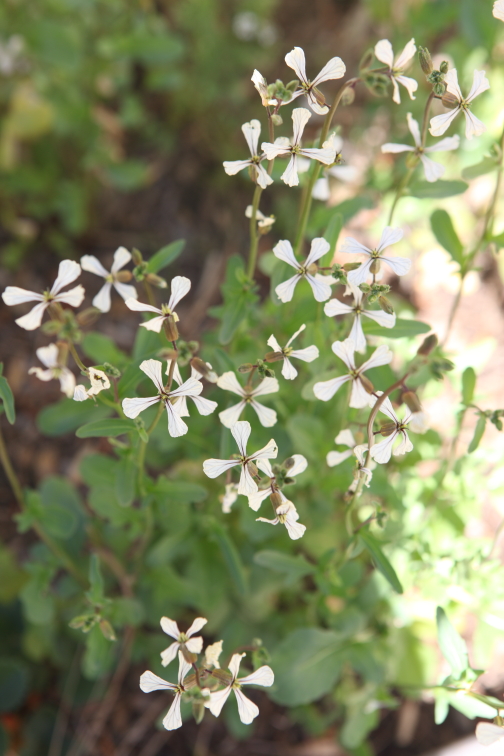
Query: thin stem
150, 295
10, 472
399, 193
76, 357
426, 114
254, 236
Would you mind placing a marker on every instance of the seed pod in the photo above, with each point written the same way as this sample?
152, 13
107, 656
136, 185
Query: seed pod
385, 305
137, 256
411, 400
156, 280
449, 100
276, 499
62, 352
276, 119
198, 710
428, 344
273, 357
246, 368
124, 276
188, 655
425, 60
200, 366
170, 328
412, 160
319, 96
374, 268
367, 384
252, 469
253, 173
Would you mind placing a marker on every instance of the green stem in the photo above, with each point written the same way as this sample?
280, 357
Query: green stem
76, 357
254, 236
425, 121
399, 193
10, 472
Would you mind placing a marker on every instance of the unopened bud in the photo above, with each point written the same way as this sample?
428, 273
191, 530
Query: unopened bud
222, 676
449, 100
425, 60
111, 370
245, 368
88, 316
351, 266
169, 355
170, 328
366, 59
276, 499
253, 173
137, 256
292, 85
273, 357
124, 276
198, 710
385, 305
200, 366
411, 400
439, 88
365, 288
347, 98
107, 630
156, 280
444, 67
252, 469
428, 344
193, 346
276, 120
367, 384
375, 266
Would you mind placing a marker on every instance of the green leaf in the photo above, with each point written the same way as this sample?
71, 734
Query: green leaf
14, 679
239, 298
7, 399
437, 190
66, 415
293, 567
486, 165
443, 230
165, 256
98, 656
478, 434
403, 329
126, 472
333, 230
468, 385
101, 348
498, 240
180, 491
96, 592
380, 561
113, 426
451, 644
471, 707
307, 665
231, 556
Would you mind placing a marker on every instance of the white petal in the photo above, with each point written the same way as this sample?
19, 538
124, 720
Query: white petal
432, 170
290, 175
102, 300
184, 666
295, 59
389, 236
480, 84
335, 307
270, 522
359, 275
136, 306
352, 246
150, 682
395, 148
299, 466
294, 335
488, 733
234, 664
68, 271
255, 500
263, 177
336, 458
414, 129
204, 406
264, 465
474, 127
67, 382
300, 117
382, 451
321, 189
126, 291
410, 84
43, 375
263, 676
215, 467
232, 167
345, 437
196, 626
267, 386
400, 265
247, 485
176, 426
404, 58
92, 265
404, 446
153, 369
345, 351
217, 701
171, 628
294, 529
274, 150
385, 407
439, 124
247, 710
80, 394
273, 343
359, 397
191, 388
33, 319
169, 654
326, 156
13, 295
180, 285
121, 258
381, 356
48, 355
289, 372
444, 145
251, 132
230, 416
229, 382
385, 319
133, 407
285, 290
267, 417
384, 53
173, 720
357, 335
319, 247
241, 434
283, 251
498, 12
181, 407
321, 290
308, 354
269, 451
334, 69
73, 297
325, 390
154, 324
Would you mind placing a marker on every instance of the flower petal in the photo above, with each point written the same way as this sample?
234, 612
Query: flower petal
13, 295
290, 175
191, 387
384, 53
247, 485
381, 356
267, 417
255, 500
319, 247
382, 451
48, 355
474, 127
389, 236
359, 275
171, 628
133, 407
217, 700
395, 148
357, 335
230, 416
269, 451
326, 156
285, 290
67, 382
32, 319
180, 286
321, 290
439, 124
136, 306
404, 446
480, 84
241, 434
300, 117
68, 271
229, 382
345, 437
432, 170
126, 291
215, 467
294, 529
404, 58
299, 466
153, 369
43, 375
289, 372
91, 264
173, 719
232, 167
251, 132
274, 150
414, 129
273, 343
334, 69
352, 246
385, 319
295, 59
121, 258
410, 84
263, 178
102, 300
169, 654
336, 458
176, 426
247, 710
154, 324
308, 354
204, 406
325, 390
400, 265
359, 397
335, 307
267, 386
150, 682
72, 297
345, 351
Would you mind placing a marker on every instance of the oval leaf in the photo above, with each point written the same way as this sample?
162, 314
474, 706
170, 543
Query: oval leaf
451, 644
165, 256
443, 230
109, 427
380, 561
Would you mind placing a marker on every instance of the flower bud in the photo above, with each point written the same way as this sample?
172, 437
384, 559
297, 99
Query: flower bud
428, 344
366, 59
111, 370
200, 366
167, 354
124, 276
88, 316
276, 120
170, 328
252, 469
374, 268
156, 280
347, 98
319, 96
411, 400
289, 462
439, 88
188, 655
137, 256
246, 368
385, 305
351, 266
367, 384
449, 100
273, 357
193, 346
365, 288
425, 60
276, 499
107, 630
444, 67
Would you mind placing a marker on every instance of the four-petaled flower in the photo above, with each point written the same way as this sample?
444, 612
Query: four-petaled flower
251, 132
433, 171
204, 406
247, 710
49, 356
193, 645
180, 285
382, 451
293, 148
334, 69
474, 127
297, 465
153, 369
345, 350
229, 382
385, 54
99, 382
286, 514
247, 485
68, 271
335, 307
307, 355
150, 682
116, 279
400, 265
321, 289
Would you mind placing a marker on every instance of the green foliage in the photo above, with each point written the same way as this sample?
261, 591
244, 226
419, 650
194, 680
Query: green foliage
451, 644
7, 399
443, 230
438, 190
239, 297
165, 256
380, 560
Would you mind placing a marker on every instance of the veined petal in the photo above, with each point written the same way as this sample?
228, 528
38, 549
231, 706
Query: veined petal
269, 451
171, 628
126, 291
385, 407
247, 485
299, 330
432, 170
255, 500
382, 451
13, 295
404, 58
448, 143
352, 246
204, 406
326, 156
234, 664
121, 258
251, 132
270, 522
334, 458
136, 306
345, 437
404, 446
48, 355
196, 626
290, 175
334, 69
91, 264
345, 351
396, 95
308, 354
68, 271
381, 356
389, 236
359, 397
215, 467
300, 117
273, 343
498, 12
32, 319
217, 701
267, 386
439, 124
72, 297
229, 382
263, 177
184, 666
274, 150
181, 407
153, 369
173, 719
180, 286
67, 382
263, 676
321, 289
169, 654
191, 387
325, 390
395, 148
357, 335
319, 247
414, 129
232, 167
102, 300
384, 319
241, 434
80, 394
264, 465
133, 407
294, 528
176, 426
410, 84
150, 682
285, 290
335, 307
400, 265
283, 251
230, 416
154, 324
384, 53
480, 84
295, 59
314, 104
299, 466
474, 127
267, 417
247, 710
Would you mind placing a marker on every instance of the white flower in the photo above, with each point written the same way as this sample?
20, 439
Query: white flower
385, 54
335, 69
346, 173
229, 497
488, 733
419, 422
325, 390
229, 382
286, 514
180, 285
93, 265
346, 438
261, 85
321, 290
247, 710
264, 222
307, 355
498, 12
300, 118
297, 465
335, 307
212, 654
474, 127
400, 265
382, 451
204, 406
247, 485
99, 382
361, 470
433, 171
251, 132
193, 645
68, 271
149, 682
153, 369
48, 356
